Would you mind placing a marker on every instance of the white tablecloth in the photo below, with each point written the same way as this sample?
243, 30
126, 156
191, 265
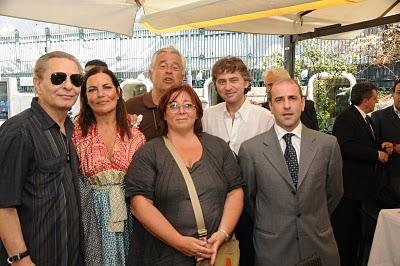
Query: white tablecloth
385, 250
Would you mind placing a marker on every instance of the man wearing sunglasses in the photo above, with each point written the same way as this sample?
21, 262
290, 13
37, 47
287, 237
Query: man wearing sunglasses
39, 213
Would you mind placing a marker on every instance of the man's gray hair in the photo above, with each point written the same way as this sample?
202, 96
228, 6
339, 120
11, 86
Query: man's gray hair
41, 63
169, 49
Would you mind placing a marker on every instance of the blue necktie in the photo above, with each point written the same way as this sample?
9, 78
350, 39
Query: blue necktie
291, 158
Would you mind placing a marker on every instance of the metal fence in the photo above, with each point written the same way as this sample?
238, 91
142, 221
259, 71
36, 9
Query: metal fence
129, 57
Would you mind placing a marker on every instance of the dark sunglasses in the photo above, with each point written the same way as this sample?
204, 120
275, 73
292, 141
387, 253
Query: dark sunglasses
58, 78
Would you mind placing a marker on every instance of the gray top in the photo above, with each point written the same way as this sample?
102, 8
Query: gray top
155, 175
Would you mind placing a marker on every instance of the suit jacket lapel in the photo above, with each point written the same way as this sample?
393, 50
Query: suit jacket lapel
308, 149
273, 153
363, 123
394, 118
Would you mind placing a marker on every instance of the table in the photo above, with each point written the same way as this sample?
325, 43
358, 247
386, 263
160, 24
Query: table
385, 250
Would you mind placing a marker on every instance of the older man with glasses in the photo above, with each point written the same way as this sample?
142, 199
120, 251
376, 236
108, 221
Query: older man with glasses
167, 69
39, 213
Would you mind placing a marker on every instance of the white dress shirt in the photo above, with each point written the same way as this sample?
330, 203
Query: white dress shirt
249, 121
363, 114
296, 139
396, 111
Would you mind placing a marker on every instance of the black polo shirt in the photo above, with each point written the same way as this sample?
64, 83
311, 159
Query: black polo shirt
38, 176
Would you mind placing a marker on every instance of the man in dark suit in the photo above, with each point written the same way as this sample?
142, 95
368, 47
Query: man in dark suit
294, 182
308, 115
387, 129
361, 155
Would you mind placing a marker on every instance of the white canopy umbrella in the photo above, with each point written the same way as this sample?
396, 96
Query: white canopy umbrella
109, 15
254, 16
268, 17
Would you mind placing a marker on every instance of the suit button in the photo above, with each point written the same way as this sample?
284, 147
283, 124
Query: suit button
298, 215
293, 192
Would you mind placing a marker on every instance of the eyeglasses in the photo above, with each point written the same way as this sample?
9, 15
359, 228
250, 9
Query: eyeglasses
175, 107
58, 78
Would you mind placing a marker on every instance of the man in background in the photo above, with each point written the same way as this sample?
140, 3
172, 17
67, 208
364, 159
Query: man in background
361, 159
167, 69
387, 129
94, 63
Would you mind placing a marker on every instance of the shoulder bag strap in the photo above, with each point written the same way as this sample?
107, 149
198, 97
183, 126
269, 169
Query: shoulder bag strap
198, 213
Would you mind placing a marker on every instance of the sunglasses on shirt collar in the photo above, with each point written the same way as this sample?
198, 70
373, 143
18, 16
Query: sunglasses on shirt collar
58, 78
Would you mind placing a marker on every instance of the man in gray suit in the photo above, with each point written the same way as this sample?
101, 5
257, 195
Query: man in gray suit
294, 182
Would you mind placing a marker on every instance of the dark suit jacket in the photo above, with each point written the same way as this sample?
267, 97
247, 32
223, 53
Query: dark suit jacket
387, 128
359, 152
308, 116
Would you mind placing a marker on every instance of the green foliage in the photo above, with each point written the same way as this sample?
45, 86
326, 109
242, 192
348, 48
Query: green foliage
317, 60
273, 60
333, 62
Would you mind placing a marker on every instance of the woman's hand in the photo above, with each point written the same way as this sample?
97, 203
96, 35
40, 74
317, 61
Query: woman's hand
214, 242
191, 246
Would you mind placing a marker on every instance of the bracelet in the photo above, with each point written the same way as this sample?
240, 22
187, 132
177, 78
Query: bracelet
17, 257
225, 233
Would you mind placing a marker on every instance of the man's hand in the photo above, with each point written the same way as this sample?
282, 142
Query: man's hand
135, 120
396, 148
383, 156
387, 147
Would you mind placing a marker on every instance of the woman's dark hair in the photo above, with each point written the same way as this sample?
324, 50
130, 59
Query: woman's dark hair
170, 96
86, 116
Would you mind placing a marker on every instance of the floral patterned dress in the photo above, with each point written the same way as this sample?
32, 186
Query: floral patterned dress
106, 178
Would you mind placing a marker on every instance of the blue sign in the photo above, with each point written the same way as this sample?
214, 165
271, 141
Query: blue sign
3, 100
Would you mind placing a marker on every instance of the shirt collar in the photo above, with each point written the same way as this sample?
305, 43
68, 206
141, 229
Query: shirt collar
46, 121
280, 132
148, 101
243, 111
361, 111
396, 111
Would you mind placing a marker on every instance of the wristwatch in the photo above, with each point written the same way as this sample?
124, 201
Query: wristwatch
17, 257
